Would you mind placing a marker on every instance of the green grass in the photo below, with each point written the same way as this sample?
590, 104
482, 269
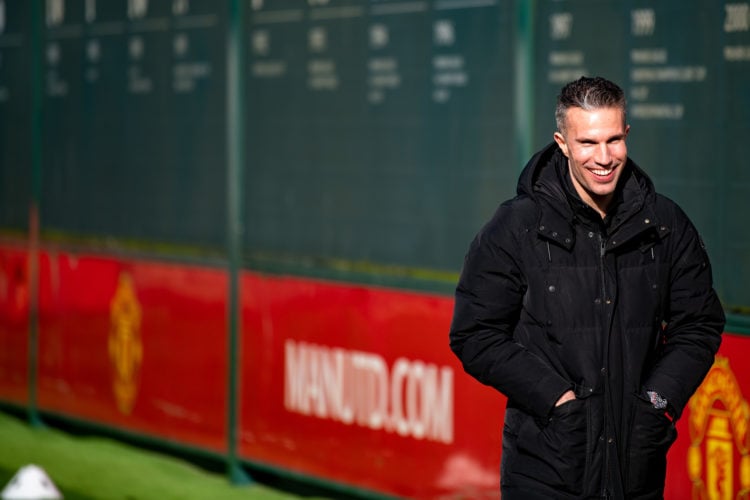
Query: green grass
89, 468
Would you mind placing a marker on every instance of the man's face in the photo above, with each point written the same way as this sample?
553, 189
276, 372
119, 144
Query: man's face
594, 142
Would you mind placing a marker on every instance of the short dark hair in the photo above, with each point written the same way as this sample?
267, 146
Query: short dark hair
588, 93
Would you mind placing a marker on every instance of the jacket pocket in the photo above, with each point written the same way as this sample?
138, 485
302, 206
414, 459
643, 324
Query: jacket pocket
554, 452
651, 435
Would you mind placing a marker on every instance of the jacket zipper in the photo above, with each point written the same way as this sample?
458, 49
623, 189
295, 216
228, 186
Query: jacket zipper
605, 382
601, 259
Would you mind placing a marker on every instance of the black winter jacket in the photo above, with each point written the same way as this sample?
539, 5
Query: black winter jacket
553, 297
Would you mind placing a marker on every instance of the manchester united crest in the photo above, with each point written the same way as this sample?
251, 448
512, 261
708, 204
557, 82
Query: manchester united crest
718, 461
125, 347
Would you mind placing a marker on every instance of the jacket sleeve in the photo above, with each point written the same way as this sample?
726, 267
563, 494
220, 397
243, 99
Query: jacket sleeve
488, 301
695, 321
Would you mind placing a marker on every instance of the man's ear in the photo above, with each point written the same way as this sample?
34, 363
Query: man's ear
560, 140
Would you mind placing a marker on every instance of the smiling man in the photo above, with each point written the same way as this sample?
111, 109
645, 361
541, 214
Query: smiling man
588, 301
593, 140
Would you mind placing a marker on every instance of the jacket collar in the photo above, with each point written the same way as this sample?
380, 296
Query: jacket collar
546, 180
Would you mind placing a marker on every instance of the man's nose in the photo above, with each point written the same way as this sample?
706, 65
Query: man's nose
603, 156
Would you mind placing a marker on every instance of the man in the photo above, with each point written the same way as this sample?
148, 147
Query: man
587, 300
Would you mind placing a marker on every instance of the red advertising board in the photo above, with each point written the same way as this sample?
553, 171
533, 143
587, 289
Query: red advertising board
357, 384
345, 383
711, 457
136, 345
15, 292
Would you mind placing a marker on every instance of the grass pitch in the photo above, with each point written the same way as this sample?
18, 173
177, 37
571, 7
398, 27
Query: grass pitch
93, 468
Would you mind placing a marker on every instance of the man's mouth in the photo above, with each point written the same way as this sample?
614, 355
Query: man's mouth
601, 172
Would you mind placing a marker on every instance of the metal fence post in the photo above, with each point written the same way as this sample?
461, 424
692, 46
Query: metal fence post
235, 163
37, 14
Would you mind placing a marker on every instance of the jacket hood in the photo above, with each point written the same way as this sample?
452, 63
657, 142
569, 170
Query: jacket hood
545, 177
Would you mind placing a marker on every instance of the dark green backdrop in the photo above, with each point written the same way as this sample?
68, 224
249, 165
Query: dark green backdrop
377, 136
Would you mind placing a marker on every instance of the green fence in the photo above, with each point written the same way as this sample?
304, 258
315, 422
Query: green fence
370, 138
